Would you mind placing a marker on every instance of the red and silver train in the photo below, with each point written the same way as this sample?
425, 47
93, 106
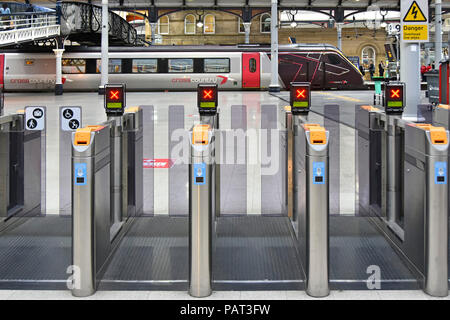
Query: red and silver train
180, 68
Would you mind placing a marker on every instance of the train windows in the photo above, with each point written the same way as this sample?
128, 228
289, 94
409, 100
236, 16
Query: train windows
181, 65
265, 23
145, 65
252, 65
216, 65
73, 66
334, 59
115, 66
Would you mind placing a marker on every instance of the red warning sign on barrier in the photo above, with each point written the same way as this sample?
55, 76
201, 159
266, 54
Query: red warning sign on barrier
158, 163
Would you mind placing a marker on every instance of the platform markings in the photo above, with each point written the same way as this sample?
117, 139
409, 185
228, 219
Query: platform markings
339, 96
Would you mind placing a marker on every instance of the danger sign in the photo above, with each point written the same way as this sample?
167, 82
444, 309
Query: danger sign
414, 22
414, 14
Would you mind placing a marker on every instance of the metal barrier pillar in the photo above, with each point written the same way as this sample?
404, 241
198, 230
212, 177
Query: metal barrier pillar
426, 177
393, 149
2, 101
132, 171
116, 172
289, 163
90, 206
369, 162
115, 104
312, 179
201, 193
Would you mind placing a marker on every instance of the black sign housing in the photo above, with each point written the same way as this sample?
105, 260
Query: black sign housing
115, 100
300, 97
394, 98
207, 100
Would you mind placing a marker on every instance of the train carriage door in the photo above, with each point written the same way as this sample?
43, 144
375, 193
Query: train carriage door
2, 70
251, 70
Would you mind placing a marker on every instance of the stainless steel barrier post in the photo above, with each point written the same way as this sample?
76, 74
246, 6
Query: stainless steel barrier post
426, 177
312, 177
90, 206
289, 163
132, 171
393, 149
2, 101
115, 103
201, 193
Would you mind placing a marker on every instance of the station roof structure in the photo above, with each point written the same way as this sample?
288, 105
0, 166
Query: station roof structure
282, 4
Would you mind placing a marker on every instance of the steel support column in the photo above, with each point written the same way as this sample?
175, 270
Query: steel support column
105, 44
274, 85
437, 34
410, 75
58, 82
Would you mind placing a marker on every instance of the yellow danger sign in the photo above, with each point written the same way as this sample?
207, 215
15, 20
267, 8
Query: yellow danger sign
414, 14
415, 32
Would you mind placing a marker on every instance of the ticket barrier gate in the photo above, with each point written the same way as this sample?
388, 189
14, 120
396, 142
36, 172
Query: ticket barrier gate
311, 203
20, 170
402, 182
94, 227
201, 209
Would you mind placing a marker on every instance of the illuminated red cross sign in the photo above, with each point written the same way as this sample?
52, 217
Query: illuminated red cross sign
395, 93
301, 93
114, 95
207, 94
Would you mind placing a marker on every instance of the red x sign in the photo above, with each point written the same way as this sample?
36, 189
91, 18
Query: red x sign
395, 93
301, 93
207, 94
114, 95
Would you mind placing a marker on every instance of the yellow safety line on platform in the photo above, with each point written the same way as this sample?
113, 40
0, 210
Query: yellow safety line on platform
341, 97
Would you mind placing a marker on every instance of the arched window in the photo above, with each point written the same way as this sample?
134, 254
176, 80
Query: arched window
265, 23
368, 56
209, 24
163, 25
189, 24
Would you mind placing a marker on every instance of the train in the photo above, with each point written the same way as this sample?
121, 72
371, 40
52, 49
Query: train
239, 67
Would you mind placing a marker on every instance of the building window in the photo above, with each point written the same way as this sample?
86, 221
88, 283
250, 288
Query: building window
145, 65
265, 23
163, 25
189, 24
241, 28
209, 24
181, 65
217, 65
368, 56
